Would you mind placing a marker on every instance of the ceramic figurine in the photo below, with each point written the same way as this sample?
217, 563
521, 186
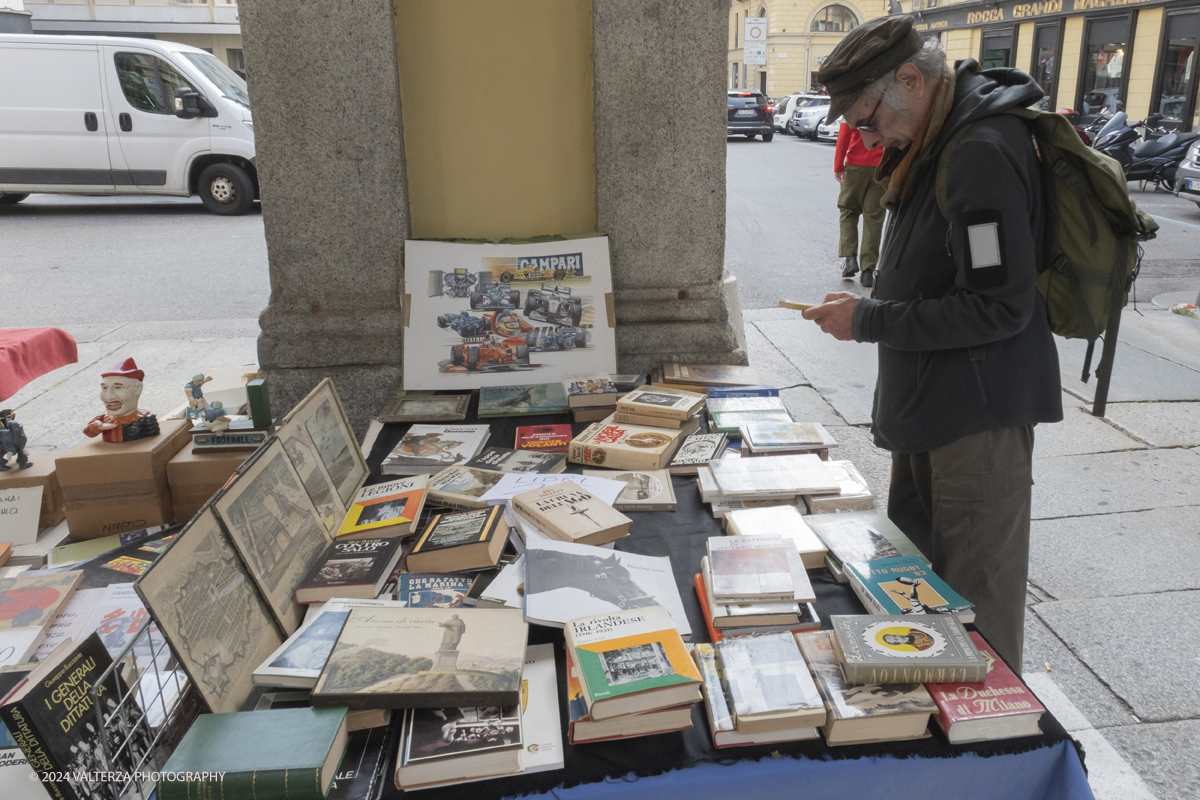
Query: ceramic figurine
12, 441
122, 420
214, 418
194, 391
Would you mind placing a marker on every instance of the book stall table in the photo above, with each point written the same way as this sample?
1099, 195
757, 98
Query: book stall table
685, 765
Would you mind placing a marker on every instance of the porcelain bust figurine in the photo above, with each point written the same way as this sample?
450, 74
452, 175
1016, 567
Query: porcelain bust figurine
122, 420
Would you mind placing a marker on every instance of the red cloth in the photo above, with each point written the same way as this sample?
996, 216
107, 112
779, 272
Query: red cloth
850, 150
28, 353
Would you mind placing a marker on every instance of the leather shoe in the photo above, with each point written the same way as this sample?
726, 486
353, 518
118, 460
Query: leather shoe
867, 278
850, 266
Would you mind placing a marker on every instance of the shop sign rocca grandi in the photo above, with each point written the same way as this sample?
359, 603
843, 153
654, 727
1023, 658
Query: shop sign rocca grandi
944, 19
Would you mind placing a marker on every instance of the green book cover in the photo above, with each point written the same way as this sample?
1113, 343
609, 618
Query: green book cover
281, 754
906, 585
628, 652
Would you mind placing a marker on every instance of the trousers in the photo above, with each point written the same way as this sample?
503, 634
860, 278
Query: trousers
966, 506
860, 196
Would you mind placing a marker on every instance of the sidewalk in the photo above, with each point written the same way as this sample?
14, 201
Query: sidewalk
1113, 615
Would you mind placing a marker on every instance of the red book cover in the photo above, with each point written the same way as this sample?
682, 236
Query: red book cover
1001, 695
546, 438
714, 635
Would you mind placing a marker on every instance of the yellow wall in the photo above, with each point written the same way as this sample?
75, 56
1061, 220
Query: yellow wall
1145, 56
497, 104
961, 44
1024, 47
1068, 76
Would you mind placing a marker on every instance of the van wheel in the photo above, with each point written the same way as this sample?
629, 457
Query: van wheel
11, 199
768, 136
226, 189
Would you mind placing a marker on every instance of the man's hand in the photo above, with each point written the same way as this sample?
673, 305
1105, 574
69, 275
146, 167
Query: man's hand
836, 315
840, 176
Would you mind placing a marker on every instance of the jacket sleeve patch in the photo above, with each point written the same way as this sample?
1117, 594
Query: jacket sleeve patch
981, 252
985, 245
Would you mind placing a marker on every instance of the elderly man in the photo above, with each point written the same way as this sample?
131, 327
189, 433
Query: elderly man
967, 364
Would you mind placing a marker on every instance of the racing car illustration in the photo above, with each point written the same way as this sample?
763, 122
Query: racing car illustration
483, 347
458, 283
566, 338
495, 297
554, 304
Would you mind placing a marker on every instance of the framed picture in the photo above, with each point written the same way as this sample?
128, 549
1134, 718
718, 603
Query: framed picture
207, 607
426, 408
320, 489
276, 529
506, 314
324, 420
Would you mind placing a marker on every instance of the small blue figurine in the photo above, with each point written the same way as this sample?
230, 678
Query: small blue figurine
12, 441
214, 418
194, 390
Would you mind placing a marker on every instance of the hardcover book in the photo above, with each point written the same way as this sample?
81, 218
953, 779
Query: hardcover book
752, 478
543, 438
1002, 708
463, 541
561, 584
503, 459
770, 684
425, 408
757, 569
767, 437
853, 494
298, 662
906, 649
718, 703
51, 718
569, 513
356, 568
659, 401
286, 752
860, 536
645, 490
522, 401
425, 658
784, 521
582, 728
387, 509
864, 712
443, 746
905, 585
631, 662
696, 450
613, 445
432, 589
462, 487
808, 619
426, 449
709, 374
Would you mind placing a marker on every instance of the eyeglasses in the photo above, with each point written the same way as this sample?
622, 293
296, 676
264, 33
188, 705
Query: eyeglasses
868, 127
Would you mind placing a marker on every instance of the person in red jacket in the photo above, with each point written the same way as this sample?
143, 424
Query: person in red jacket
854, 167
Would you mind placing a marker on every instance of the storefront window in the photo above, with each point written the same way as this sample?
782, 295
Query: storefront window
1103, 68
1177, 68
1045, 62
997, 49
835, 18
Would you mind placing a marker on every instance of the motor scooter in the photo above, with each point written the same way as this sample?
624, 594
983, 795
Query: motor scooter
1153, 160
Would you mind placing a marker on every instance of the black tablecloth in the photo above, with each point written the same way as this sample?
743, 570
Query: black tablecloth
680, 534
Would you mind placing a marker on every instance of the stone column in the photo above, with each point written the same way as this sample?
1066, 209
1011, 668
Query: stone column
325, 96
659, 79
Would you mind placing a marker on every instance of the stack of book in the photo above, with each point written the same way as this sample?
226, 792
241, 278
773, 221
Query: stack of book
748, 619
905, 585
629, 674
859, 536
729, 484
591, 396
784, 521
659, 407
785, 438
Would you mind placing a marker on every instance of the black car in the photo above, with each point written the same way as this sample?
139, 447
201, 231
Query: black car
750, 115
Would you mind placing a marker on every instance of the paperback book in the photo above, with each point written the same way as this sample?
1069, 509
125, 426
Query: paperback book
697, 450
784, 521
543, 438
718, 704
859, 536
1002, 708
771, 437
613, 445
522, 401
645, 490
757, 569
503, 459
659, 401
425, 658
569, 513
386, 509
770, 684
432, 589
516, 483
905, 585
426, 449
463, 541
356, 568
757, 478
906, 649
462, 487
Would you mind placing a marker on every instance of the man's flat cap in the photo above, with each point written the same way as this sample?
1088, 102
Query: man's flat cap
868, 52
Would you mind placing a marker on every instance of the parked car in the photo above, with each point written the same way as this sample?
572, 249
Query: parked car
807, 117
1187, 175
828, 131
786, 107
100, 115
749, 115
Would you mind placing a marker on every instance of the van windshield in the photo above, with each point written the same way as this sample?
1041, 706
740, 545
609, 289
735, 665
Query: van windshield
225, 79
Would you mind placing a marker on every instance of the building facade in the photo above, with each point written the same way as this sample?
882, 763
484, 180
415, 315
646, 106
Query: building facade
211, 25
800, 34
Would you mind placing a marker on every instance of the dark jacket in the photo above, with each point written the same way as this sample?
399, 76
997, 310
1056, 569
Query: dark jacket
964, 345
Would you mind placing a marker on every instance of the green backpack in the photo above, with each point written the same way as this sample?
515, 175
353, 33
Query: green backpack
1092, 234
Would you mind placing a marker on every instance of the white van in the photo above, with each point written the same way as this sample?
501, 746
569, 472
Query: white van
102, 115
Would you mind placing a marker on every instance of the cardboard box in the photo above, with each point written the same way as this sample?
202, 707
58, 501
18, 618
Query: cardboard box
195, 477
91, 519
43, 474
95, 469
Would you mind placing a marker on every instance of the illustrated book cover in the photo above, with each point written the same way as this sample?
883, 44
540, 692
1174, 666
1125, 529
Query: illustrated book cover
32, 598
631, 662
1002, 708
905, 649
905, 585
757, 569
569, 513
445, 746
464, 540
718, 704
543, 438
504, 459
660, 401
387, 509
355, 568
770, 684
426, 449
522, 400
784, 521
861, 713
565, 581
696, 450
645, 490
425, 658
614, 445
432, 589
582, 728
588, 389
461, 487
